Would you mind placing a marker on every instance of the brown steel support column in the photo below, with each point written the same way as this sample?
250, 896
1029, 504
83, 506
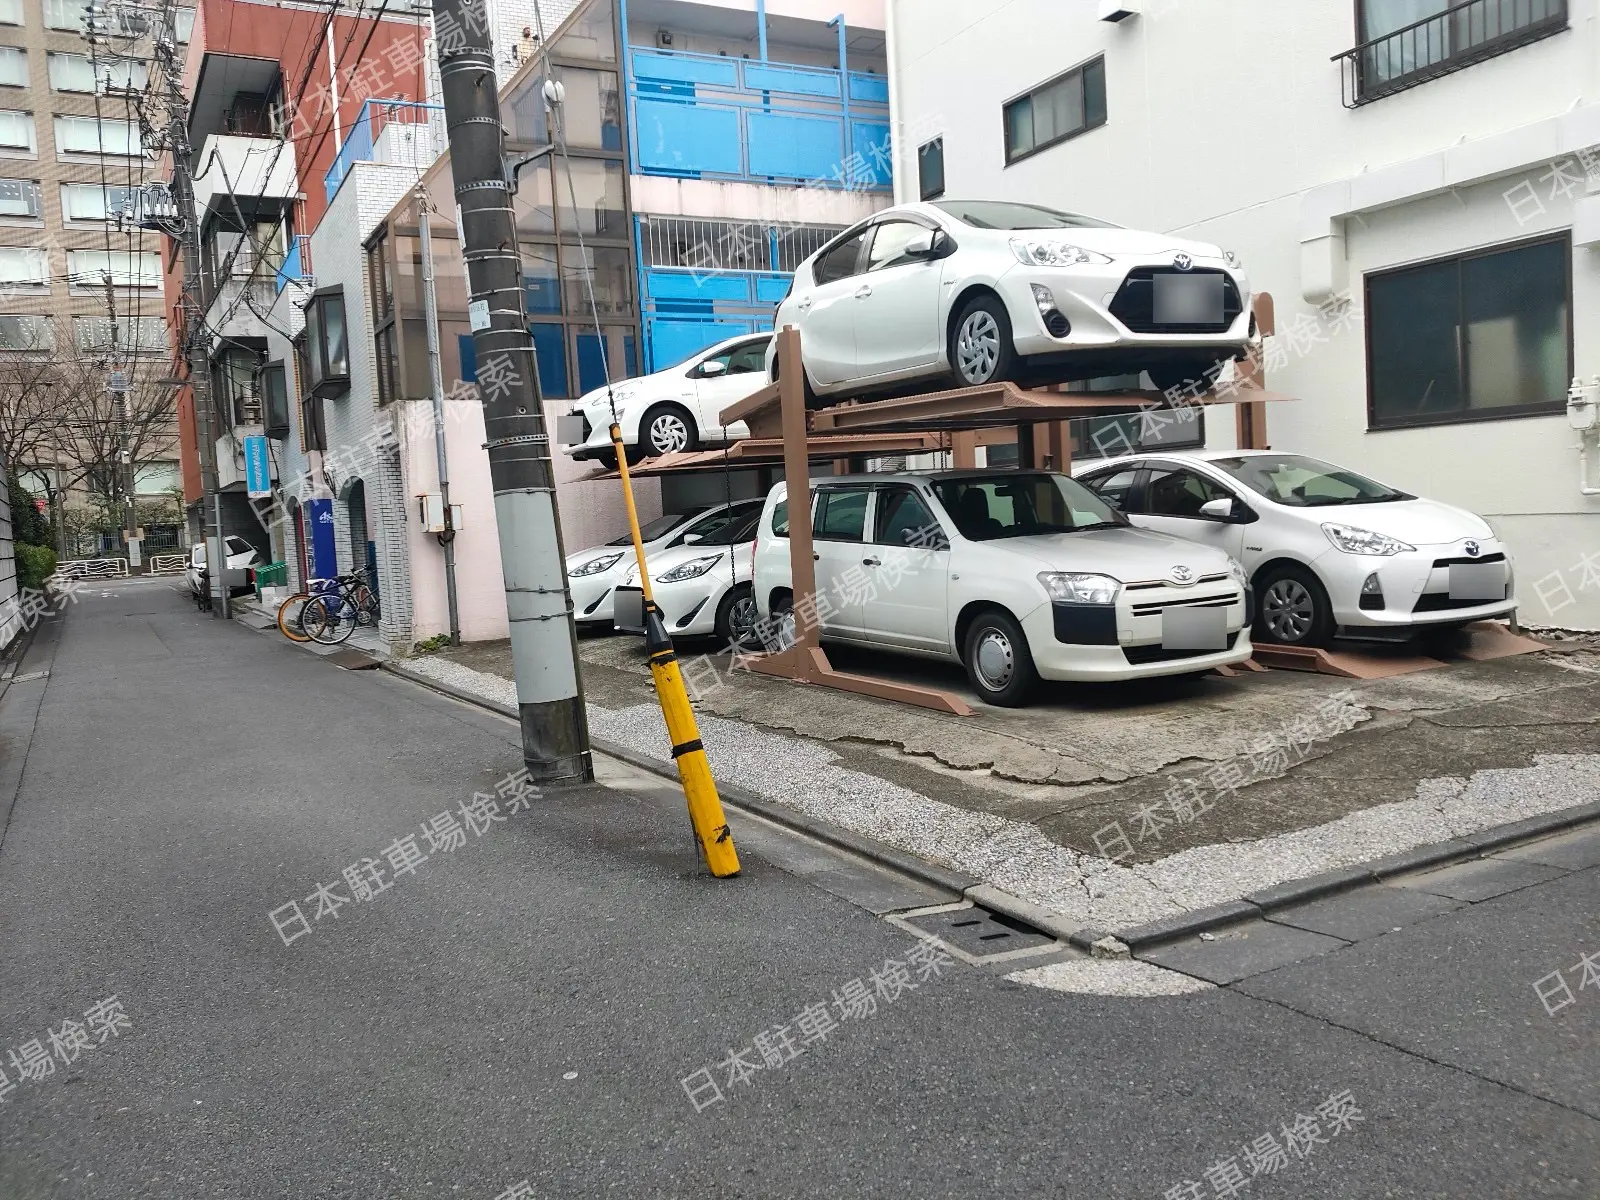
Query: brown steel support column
1057, 447
797, 480
1250, 419
964, 450
1025, 446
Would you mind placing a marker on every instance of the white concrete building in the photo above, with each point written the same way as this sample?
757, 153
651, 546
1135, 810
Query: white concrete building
1414, 181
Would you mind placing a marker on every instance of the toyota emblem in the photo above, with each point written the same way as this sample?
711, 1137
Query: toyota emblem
1183, 262
1182, 575
1472, 549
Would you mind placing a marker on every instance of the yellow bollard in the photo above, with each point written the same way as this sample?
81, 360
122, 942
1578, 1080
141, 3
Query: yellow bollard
694, 769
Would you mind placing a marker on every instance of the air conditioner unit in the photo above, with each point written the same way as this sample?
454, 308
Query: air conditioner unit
1118, 10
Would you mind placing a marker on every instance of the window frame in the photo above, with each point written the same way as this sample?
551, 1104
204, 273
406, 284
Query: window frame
862, 231
1079, 69
924, 153
27, 80
1468, 415
274, 375
824, 497
324, 382
36, 196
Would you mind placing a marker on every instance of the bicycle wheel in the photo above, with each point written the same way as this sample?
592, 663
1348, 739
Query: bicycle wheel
366, 602
328, 620
291, 618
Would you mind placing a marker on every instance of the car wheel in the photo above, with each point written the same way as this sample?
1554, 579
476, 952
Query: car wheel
1292, 608
737, 619
998, 661
981, 350
668, 429
1183, 376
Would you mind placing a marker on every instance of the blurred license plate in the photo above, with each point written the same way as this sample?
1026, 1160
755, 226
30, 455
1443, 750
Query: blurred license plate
1188, 300
1477, 581
571, 430
627, 606
1185, 628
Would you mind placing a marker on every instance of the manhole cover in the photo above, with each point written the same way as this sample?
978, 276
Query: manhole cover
976, 932
352, 660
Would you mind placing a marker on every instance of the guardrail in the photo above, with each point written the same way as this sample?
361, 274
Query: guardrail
418, 143
93, 568
164, 564
296, 266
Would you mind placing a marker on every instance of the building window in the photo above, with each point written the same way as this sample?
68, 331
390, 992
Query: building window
16, 131
86, 135
275, 398
1476, 337
313, 434
1407, 42
26, 333
183, 25
13, 67
11, 12
66, 14
76, 73
1063, 108
21, 198
24, 265
89, 268
96, 202
148, 334
327, 347
930, 169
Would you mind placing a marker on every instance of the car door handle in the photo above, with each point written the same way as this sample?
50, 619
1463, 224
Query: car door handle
804, 305
863, 291
871, 562
815, 557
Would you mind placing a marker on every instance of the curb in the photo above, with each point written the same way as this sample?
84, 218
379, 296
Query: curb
1252, 907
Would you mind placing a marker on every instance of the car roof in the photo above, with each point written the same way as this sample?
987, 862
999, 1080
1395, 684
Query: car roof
1192, 455
915, 477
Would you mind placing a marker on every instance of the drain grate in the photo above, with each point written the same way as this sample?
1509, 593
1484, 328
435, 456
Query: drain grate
977, 932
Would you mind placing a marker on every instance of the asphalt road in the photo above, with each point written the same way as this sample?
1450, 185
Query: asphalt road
526, 1006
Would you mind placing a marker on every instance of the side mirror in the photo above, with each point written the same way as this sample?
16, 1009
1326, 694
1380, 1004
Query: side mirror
1219, 510
689, 539
935, 245
713, 367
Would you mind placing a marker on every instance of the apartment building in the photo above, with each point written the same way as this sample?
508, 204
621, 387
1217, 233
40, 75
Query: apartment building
1414, 181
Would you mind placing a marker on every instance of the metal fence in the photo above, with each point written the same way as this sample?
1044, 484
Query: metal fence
710, 245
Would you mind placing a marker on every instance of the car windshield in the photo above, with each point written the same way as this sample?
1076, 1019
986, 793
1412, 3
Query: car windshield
997, 214
1301, 482
650, 531
741, 529
1017, 504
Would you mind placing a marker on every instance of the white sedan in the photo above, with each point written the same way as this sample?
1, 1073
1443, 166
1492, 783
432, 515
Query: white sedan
702, 587
676, 409
593, 574
984, 291
1018, 575
1330, 552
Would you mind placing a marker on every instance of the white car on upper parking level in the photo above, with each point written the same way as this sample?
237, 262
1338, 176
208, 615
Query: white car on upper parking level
593, 574
1329, 552
679, 408
1018, 575
982, 291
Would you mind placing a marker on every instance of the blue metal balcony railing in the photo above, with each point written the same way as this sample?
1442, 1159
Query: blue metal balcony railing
296, 266
402, 132
705, 116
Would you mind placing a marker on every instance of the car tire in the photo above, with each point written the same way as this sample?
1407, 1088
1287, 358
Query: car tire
667, 429
737, 619
981, 349
998, 661
1183, 376
1292, 608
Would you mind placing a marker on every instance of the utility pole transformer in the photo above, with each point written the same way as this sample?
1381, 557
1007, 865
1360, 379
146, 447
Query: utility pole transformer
544, 636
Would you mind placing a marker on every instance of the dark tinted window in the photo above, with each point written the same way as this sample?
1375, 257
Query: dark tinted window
1000, 214
840, 262
1179, 493
741, 529
651, 530
903, 519
1471, 337
1114, 487
713, 522
1019, 505
842, 515
930, 169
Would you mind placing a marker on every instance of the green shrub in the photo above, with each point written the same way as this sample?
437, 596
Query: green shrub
28, 524
35, 564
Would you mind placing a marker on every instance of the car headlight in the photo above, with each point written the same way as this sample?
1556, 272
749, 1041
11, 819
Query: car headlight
692, 569
596, 566
1363, 541
1033, 252
1072, 588
1236, 569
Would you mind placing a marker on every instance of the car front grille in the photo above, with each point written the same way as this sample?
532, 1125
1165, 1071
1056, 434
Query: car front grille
1139, 656
1146, 584
1134, 303
1154, 607
1467, 562
1441, 602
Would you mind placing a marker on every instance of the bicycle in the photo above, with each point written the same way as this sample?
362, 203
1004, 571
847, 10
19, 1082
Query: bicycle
330, 610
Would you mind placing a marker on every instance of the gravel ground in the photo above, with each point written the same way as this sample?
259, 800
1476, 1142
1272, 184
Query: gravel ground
1083, 889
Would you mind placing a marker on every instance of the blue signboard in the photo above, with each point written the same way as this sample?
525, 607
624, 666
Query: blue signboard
319, 543
257, 468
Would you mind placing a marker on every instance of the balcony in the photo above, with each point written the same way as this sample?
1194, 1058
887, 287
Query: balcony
708, 117
296, 266
1444, 43
401, 133
243, 166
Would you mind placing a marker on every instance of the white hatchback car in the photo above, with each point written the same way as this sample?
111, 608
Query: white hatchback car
983, 291
1018, 575
702, 587
679, 408
593, 574
1329, 552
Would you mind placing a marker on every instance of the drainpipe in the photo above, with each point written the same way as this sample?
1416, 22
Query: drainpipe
761, 26
844, 85
447, 539
627, 87
333, 92
889, 48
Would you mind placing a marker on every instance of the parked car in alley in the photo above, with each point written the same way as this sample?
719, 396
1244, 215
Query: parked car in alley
593, 574
1018, 575
241, 556
974, 292
701, 587
679, 408
1329, 552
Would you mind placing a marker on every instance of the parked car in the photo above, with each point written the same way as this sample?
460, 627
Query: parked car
679, 408
1018, 575
593, 574
241, 555
1329, 552
982, 291
701, 587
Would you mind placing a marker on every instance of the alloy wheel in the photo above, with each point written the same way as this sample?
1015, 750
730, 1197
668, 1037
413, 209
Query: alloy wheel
1288, 610
995, 660
668, 433
743, 619
978, 347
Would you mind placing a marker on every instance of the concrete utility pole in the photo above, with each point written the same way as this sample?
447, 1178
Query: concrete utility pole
544, 637
430, 309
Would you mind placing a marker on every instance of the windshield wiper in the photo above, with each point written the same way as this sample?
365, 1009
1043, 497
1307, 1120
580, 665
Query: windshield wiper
1096, 525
